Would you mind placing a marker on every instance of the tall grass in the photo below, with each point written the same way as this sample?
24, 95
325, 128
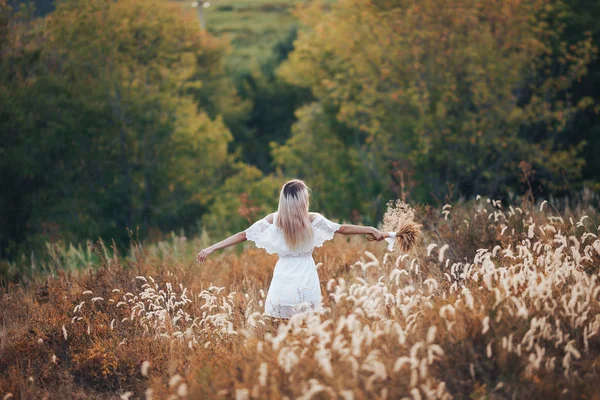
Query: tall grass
496, 300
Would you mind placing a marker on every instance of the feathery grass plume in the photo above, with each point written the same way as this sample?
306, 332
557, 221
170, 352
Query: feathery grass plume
399, 218
145, 367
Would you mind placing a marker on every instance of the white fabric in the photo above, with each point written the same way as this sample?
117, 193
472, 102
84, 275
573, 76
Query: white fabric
295, 285
391, 240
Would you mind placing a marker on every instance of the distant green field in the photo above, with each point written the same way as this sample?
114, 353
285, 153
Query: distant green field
254, 27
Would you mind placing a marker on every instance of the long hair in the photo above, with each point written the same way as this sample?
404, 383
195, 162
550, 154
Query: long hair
292, 214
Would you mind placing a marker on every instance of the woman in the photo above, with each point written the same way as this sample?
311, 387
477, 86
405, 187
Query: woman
292, 232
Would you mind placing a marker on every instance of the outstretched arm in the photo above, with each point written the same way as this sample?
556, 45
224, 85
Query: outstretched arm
230, 241
348, 229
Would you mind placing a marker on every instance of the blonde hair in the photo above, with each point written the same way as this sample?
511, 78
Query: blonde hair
292, 214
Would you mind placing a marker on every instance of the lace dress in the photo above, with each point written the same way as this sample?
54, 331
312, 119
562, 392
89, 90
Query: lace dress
295, 285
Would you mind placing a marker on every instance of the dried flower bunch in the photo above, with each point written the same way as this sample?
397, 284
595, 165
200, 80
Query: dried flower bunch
399, 218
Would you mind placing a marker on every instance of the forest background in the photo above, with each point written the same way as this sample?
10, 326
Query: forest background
127, 118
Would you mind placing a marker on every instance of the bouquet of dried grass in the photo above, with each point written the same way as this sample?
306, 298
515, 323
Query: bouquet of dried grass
399, 226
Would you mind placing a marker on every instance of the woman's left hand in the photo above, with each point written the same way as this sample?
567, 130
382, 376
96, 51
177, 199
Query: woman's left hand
204, 254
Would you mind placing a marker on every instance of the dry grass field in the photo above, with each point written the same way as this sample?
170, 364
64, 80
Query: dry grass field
496, 301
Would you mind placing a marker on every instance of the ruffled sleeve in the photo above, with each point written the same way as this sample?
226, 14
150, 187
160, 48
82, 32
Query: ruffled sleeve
324, 230
259, 233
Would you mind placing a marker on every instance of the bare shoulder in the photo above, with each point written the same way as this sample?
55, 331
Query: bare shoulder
270, 218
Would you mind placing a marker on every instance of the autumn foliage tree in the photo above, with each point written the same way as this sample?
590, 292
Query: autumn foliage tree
462, 92
120, 116
107, 130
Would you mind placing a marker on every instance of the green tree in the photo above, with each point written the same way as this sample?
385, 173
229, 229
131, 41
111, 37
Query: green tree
103, 124
581, 22
316, 152
246, 196
273, 103
458, 91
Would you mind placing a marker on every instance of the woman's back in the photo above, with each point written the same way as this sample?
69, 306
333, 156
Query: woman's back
269, 236
295, 286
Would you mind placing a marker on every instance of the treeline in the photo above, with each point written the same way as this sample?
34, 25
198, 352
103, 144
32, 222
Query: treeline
119, 118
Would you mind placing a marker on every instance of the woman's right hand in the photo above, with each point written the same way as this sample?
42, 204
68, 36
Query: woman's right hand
375, 234
204, 254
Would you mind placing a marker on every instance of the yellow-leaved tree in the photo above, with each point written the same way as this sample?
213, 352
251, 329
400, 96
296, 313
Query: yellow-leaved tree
115, 129
459, 91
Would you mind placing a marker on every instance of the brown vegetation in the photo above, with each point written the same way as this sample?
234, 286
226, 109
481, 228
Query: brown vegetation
495, 301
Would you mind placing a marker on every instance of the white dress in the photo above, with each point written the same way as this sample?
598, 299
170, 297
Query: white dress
295, 285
